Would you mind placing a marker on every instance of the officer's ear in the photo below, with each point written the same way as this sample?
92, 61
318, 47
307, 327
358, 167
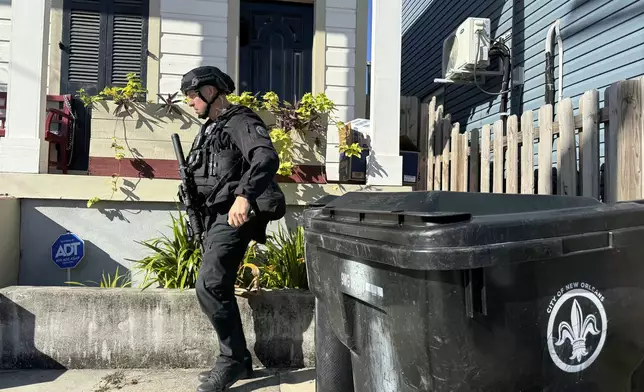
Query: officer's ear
209, 92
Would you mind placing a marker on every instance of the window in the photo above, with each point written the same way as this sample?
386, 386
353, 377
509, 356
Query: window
103, 41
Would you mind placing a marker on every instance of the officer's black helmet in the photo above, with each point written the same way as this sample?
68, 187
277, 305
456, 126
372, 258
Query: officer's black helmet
207, 76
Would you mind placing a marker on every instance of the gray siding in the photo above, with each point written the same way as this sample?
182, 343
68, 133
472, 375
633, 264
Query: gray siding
603, 42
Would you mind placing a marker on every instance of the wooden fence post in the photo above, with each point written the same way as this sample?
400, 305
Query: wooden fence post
625, 126
438, 148
498, 157
566, 152
447, 162
527, 153
512, 182
545, 150
485, 159
428, 124
475, 159
589, 144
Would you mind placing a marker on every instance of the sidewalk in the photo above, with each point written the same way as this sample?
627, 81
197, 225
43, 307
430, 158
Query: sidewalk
175, 380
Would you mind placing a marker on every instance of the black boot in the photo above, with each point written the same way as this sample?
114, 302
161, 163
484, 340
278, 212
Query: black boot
223, 377
205, 375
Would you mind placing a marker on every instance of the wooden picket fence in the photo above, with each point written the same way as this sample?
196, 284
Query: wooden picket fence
466, 161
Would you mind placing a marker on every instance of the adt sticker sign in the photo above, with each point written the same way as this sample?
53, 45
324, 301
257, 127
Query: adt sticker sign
68, 250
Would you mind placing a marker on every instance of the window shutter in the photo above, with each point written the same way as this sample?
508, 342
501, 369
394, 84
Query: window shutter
104, 41
83, 46
129, 41
85, 37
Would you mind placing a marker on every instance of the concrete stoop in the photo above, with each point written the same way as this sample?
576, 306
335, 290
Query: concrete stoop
146, 380
94, 328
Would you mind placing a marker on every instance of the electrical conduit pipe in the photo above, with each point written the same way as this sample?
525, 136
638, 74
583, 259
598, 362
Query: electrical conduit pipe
550, 63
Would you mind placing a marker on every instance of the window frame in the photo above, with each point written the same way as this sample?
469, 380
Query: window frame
107, 9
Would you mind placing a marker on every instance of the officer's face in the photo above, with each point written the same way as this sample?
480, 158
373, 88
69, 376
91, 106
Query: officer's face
198, 104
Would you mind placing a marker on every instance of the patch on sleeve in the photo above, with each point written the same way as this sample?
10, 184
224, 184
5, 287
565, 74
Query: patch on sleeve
261, 131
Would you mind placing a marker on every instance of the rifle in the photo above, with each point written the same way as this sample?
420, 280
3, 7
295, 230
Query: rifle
188, 193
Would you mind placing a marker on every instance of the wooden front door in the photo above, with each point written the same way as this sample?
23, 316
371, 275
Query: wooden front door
276, 44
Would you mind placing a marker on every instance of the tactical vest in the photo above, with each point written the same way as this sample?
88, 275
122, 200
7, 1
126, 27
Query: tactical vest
218, 165
214, 160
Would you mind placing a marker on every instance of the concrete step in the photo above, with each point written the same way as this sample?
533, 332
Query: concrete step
143, 380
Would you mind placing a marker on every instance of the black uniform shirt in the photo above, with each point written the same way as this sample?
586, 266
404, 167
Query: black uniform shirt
248, 134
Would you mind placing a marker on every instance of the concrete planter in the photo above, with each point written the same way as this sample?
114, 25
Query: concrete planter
80, 328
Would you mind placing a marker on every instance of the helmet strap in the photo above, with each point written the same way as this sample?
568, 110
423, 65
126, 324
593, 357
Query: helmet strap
208, 103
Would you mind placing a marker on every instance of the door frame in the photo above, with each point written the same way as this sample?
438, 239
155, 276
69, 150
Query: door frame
304, 10
319, 41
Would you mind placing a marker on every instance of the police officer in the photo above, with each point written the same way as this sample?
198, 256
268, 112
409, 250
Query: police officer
234, 165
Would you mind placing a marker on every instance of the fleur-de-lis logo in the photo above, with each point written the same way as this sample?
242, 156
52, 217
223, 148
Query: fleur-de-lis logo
577, 331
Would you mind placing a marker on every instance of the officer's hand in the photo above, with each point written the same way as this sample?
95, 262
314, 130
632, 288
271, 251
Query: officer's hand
238, 214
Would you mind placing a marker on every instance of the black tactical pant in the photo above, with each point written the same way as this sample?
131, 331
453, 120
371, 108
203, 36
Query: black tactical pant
224, 249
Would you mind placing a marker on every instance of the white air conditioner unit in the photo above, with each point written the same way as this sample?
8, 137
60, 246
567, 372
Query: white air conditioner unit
465, 48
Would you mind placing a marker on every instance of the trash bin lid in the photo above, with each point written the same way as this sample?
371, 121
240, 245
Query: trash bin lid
462, 230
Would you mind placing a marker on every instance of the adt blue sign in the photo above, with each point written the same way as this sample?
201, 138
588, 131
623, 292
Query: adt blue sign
68, 250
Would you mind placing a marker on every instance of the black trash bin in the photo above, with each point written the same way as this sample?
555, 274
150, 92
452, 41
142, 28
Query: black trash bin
447, 291
332, 357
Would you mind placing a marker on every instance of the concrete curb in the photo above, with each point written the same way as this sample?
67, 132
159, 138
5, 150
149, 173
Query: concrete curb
93, 328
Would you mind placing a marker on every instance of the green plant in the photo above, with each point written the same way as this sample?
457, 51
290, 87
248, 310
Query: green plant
169, 105
246, 99
174, 262
311, 114
248, 273
124, 96
281, 261
352, 150
108, 281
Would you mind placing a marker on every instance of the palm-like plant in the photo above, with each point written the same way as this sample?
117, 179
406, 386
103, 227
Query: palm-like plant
175, 262
282, 260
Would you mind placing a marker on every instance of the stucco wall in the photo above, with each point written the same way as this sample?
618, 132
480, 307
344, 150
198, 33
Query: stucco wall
9, 240
109, 231
5, 36
52, 204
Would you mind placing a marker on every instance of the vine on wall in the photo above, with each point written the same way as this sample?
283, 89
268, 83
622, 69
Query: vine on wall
310, 115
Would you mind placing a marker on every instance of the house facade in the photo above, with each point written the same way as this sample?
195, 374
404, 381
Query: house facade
603, 41
291, 47
60, 46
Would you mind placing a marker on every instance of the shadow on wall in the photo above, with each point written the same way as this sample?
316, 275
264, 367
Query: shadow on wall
21, 329
9, 241
39, 232
109, 232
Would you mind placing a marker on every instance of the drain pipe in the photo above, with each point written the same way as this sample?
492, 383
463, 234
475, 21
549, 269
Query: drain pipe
550, 63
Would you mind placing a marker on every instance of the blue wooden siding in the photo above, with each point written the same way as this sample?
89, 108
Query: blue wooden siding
603, 42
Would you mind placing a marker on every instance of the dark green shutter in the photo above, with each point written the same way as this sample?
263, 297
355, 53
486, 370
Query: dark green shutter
104, 41
83, 48
85, 38
128, 40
